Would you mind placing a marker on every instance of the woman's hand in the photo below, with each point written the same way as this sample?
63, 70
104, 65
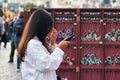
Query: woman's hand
63, 44
53, 36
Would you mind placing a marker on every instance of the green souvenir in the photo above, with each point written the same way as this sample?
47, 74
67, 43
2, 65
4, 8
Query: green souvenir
113, 31
119, 38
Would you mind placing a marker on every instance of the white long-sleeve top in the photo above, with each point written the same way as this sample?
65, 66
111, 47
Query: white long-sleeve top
39, 64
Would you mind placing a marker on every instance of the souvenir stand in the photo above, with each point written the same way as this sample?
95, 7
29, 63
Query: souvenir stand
94, 49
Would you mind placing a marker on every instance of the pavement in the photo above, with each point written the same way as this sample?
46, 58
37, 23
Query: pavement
8, 70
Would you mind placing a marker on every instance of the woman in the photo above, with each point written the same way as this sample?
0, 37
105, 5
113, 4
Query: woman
40, 59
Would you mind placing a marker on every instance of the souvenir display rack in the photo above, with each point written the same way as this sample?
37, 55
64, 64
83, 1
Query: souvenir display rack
94, 51
91, 51
111, 26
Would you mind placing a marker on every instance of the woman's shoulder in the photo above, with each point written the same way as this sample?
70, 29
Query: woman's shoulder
19, 21
34, 46
34, 42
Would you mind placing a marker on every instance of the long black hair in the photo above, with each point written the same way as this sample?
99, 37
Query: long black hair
39, 24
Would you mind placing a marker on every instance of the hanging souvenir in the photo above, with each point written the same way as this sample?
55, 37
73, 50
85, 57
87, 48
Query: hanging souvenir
90, 59
109, 61
108, 36
119, 38
91, 36
116, 59
113, 30
69, 61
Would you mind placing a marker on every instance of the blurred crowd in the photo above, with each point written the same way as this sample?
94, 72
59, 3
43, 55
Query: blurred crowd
9, 26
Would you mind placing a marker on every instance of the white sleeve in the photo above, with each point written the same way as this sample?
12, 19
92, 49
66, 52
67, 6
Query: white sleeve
42, 60
52, 47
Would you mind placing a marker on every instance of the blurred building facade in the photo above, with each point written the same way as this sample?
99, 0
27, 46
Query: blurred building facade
62, 3
69, 3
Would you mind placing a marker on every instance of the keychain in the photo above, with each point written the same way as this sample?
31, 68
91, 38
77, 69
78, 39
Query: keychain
109, 61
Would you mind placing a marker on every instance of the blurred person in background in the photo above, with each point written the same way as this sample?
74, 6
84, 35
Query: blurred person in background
41, 57
4, 37
11, 35
18, 29
2, 28
87, 4
106, 3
